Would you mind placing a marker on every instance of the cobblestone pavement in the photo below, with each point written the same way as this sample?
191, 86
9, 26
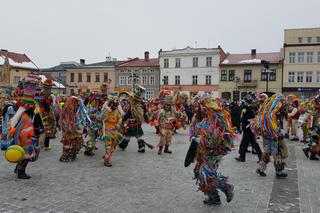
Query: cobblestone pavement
151, 183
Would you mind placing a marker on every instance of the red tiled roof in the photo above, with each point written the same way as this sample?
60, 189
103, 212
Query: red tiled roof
273, 57
16, 57
136, 62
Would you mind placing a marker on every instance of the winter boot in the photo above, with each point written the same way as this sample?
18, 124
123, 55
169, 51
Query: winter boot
313, 157
141, 146
160, 150
306, 152
22, 170
212, 199
228, 191
124, 144
280, 173
261, 173
166, 150
88, 153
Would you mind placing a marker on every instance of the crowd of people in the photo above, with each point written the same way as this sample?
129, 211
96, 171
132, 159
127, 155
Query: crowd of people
31, 116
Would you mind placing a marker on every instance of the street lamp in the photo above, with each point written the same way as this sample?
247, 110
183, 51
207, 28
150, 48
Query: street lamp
237, 81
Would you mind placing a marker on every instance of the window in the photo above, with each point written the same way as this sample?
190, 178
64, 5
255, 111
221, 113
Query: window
177, 62
309, 57
231, 75
72, 77
300, 40
97, 77
226, 95
247, 75
224, 75
122, 80
152, 80
263, 75
166, 63
80, 77
88, 77
318, 39
309, 77
309, 39
129, 80
292, 58
208, 79
195, 62
318, 76
300, 57
291, 77
149, 95
318, 58
144, 80
16, 79
300, 77
105, 77
72, 92
194, 80
177, 79
273, 75
165, 80
209, 61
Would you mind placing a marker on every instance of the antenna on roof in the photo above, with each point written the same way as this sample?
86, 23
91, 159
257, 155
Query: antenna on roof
195, 44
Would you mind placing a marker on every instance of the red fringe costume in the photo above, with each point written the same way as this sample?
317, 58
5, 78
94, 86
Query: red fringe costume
72, 139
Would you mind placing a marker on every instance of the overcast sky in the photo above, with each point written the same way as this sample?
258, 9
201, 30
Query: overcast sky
50, 32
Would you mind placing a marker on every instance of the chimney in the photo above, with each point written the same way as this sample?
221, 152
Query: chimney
146, 56
82, 61
108, 59
253, 52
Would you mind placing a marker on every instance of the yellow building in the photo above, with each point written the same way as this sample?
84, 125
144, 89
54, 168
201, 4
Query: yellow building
243, 73
14, 67
90, 77
301, 67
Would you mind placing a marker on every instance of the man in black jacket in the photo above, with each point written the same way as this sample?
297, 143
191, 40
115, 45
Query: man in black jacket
248, 136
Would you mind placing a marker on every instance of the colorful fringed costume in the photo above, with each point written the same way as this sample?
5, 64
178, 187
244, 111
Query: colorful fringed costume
211, 138
133, 119
166, 119
313, 134
268, 126
47, 113
111, 118
71, 129
26, 125
95, 129
7, 113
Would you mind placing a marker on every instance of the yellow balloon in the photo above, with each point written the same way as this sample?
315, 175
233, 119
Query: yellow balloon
14, 153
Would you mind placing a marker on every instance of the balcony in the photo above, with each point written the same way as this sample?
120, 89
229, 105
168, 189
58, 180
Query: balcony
252, 83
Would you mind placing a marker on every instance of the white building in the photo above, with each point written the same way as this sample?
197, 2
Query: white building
191, 70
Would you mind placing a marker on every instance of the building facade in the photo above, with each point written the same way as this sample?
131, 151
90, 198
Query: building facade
145, 72
191, 70
14, 67
244, 73
90, 77
301, 70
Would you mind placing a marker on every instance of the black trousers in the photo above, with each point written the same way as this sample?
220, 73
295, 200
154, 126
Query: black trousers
248, 138
46, 142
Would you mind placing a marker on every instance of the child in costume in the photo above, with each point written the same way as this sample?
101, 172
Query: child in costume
72, 139
165, 120
133, 119
211, 138
25, 127
268, 126
111, 118
47, 113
